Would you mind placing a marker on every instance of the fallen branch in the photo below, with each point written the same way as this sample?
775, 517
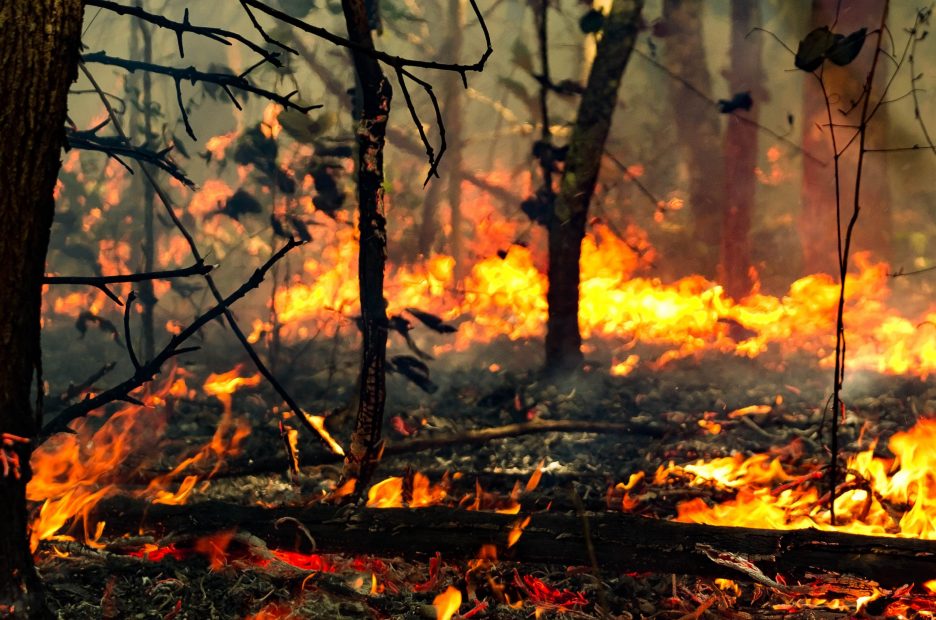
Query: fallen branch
621, 542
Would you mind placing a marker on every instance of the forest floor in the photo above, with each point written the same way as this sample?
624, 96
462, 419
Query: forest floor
686, 404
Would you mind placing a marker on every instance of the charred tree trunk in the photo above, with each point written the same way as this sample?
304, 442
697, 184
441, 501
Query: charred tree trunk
374, 110
740, 183
567, 228
38, 53
697, 128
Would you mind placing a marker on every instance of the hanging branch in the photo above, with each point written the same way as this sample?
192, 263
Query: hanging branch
215, 34
147, 371
101, 282
226, 81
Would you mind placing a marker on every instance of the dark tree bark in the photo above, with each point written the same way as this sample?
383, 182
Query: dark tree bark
740, 183
38, 53
374, 110
817, 225
697, 127
563, 338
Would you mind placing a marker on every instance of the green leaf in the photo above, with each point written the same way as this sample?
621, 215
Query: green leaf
592, 21
846, 49
812, 50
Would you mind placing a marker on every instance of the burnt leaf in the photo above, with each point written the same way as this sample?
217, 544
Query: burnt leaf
329, 198
255, 148
521, 56
592, 21
846, 48
432, 321
86, 317
301, 228
740, 101
813, 48
278, 229
241, 203
415, 370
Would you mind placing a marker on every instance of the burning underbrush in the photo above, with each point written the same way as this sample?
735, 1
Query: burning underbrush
746, 453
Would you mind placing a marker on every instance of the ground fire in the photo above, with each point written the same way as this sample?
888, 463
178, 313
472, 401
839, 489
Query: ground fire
467, 309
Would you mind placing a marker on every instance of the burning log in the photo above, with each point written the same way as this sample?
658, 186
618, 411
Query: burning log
620, 542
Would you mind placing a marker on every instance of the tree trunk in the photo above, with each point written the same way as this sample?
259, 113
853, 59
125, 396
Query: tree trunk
817, 225
147, 294
38, 53
567, 228
374, 110
697, 128
740, 183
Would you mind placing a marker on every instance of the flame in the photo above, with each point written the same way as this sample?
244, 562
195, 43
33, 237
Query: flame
72, 473
447, 603
880, 496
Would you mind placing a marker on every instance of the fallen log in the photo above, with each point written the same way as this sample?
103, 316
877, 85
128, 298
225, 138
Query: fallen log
621, 542
476, 436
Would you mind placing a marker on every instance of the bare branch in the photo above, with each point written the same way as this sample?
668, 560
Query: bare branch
224, 80
215, 34
146, 372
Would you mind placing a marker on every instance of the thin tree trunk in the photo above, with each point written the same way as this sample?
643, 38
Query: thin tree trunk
38, 53
454, 93
563, 339
740, 183
147, 295
697, 128
374, 110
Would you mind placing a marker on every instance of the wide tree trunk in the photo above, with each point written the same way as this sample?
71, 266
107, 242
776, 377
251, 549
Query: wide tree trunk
817, 224
567, 228
740, 183
374, 110
38, 53
697, 127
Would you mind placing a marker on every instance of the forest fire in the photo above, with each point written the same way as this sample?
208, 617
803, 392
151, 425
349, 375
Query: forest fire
317, 317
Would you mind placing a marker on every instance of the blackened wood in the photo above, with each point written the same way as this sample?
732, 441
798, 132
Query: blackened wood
586, 147
622, 542
374, 110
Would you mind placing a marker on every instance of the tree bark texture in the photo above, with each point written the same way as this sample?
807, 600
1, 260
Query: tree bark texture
817, 223
586, 148
621, 542
739, 180
374, 110
38, 53
697, 127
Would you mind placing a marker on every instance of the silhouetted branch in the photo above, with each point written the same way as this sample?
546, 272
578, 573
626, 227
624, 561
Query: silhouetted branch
101, 282
147, 371
117, 147
692, 88
215, 34
225, 80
